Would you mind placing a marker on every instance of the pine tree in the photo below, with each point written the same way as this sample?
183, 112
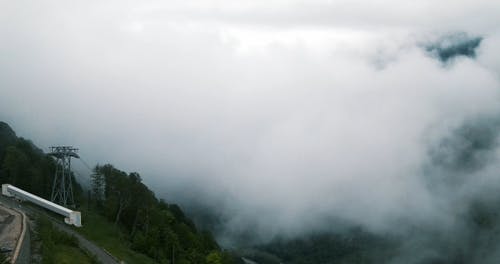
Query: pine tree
98, 186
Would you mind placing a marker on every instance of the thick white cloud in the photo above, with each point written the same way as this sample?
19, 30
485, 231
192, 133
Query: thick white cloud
282, 114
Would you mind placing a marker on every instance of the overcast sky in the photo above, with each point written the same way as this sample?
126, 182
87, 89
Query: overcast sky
282, 114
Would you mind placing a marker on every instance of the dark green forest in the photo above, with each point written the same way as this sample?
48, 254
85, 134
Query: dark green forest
151, 226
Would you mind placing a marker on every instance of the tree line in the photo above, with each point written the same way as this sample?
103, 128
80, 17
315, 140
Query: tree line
152, 226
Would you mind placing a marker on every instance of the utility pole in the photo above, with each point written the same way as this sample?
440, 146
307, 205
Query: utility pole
62, 187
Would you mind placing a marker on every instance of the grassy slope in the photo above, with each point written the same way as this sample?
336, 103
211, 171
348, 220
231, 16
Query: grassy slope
106, 235
58, 247
70, 255
103, 233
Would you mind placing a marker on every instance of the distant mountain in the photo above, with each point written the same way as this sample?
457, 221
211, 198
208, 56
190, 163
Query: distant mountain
475, 240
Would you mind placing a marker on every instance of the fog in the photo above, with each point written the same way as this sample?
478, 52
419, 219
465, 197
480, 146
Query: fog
278, 117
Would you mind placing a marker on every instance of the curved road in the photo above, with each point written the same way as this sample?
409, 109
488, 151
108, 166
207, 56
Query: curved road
13, 232
25, 254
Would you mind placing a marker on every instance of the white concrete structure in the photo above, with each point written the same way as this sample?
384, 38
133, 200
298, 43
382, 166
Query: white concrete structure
71, 217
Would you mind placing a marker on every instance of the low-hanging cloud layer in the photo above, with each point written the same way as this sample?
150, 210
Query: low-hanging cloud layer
278, 116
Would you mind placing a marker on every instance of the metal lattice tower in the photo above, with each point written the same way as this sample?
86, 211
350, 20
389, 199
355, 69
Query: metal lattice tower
62, 188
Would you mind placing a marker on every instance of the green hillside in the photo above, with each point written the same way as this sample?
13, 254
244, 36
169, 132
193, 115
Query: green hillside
122, 214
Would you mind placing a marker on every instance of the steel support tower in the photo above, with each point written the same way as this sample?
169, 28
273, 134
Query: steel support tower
62, 188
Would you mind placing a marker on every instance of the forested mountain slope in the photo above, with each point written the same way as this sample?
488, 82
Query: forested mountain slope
149, 225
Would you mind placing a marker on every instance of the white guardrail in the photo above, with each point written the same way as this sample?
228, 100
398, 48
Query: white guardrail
71, 217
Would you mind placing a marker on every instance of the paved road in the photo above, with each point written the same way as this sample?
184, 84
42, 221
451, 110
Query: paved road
248, 261
25, 252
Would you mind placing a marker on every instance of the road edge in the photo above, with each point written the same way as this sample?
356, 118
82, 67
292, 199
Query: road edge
21, 237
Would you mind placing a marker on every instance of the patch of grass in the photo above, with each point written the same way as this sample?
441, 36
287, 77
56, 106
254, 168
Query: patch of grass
60, 247
70, 255
98, 229
4, 259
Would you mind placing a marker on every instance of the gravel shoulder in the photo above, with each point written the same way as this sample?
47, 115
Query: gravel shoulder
10, 227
